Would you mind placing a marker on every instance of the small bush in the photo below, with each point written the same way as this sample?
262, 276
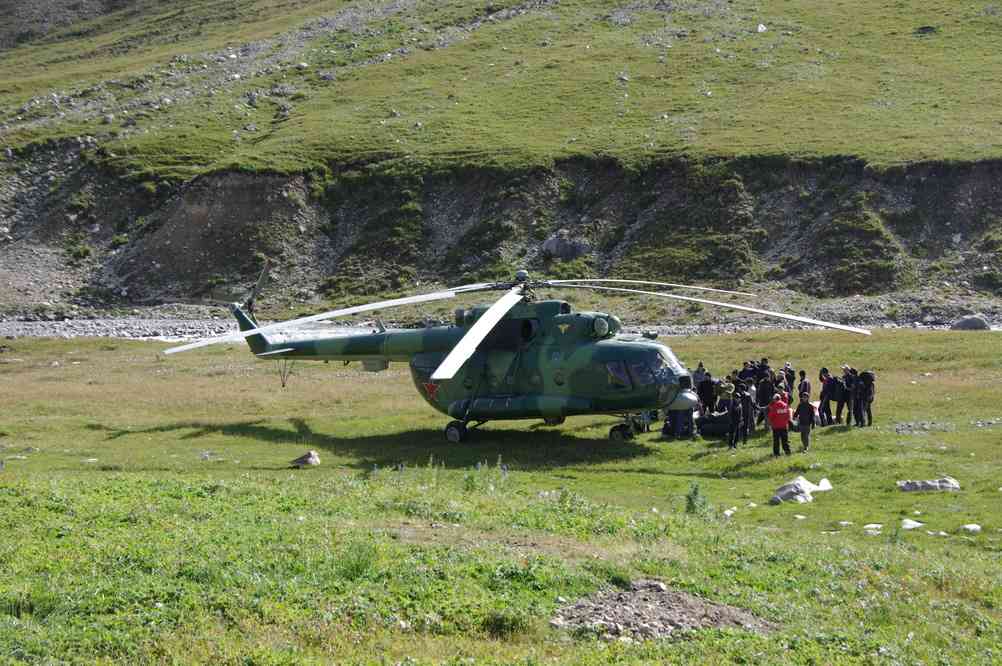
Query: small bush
119, 240
505, 623
696, 502
357, 559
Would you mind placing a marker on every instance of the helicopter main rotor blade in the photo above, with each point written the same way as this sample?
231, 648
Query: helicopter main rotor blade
659, 284
732, 306
238, 335
464, 349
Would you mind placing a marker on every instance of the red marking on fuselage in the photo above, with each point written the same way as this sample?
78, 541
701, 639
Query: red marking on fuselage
431, 389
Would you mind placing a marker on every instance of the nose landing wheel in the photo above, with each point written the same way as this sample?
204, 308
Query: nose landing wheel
621, 433
456, 432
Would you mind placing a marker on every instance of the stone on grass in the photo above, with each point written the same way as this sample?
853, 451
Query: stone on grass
563, 245
306, 460
974, 322
971, 528
799, 490
947, 483
909, 524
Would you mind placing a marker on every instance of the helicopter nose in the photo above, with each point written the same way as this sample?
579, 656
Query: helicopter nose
684, 399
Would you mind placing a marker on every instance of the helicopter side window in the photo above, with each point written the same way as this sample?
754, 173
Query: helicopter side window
618, 377
529, 329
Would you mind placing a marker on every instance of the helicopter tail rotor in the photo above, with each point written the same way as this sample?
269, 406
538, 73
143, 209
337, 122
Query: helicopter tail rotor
258, 286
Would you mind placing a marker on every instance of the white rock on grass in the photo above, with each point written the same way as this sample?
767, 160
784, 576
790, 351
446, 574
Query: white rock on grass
799, 516
947, 483
845, 523
873, 529
730, 512
799, 490
971, 528
909, 524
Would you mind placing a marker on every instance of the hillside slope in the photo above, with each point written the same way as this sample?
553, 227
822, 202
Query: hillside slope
154, 148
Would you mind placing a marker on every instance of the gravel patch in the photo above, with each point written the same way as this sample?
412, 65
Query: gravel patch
650, 610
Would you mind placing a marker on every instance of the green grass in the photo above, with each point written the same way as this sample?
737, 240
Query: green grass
844, 78
152, 553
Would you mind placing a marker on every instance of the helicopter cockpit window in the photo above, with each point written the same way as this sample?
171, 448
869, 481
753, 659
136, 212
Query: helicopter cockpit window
618, 377
652, 369
669, 359
643, 373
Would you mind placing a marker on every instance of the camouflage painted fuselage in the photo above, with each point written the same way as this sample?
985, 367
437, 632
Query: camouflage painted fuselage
541, 361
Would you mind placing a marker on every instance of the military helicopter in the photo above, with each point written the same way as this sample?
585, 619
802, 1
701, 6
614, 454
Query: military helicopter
519, 358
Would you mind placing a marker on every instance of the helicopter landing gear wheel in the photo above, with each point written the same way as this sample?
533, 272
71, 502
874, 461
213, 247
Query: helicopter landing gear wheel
620, 433
455, 432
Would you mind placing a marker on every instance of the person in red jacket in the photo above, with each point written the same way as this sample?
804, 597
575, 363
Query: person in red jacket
779, 420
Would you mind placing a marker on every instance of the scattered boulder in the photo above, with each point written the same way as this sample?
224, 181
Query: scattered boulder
649, 609
308, 459
799, 490
971, 528
974, 322
909, 524
561, 245
873, 529
947, 483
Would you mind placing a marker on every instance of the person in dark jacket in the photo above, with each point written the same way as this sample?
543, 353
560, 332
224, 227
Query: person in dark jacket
748, 410
804, 416
868, 382
763, 370
737, 420
706, 394
747, 373
856, 394
841, 395
764, 392
825, 410
805, 384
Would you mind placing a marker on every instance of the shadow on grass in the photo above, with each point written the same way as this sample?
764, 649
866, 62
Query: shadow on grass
518, 448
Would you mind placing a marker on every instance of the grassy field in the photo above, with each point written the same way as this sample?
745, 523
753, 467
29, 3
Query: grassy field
148, 515
638, 81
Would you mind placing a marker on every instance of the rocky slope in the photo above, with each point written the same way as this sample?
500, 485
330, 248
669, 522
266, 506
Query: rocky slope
76, 233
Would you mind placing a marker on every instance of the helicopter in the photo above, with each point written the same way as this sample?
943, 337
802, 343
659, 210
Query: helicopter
519, 358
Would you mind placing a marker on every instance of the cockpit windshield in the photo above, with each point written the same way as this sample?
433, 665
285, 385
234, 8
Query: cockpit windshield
654, 367
670, 360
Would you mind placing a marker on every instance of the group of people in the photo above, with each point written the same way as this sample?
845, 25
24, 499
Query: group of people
759, 395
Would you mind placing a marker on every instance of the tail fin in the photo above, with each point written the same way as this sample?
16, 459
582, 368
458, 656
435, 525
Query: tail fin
257, 343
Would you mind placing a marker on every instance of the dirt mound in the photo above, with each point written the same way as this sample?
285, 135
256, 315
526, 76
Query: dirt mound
650, 609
